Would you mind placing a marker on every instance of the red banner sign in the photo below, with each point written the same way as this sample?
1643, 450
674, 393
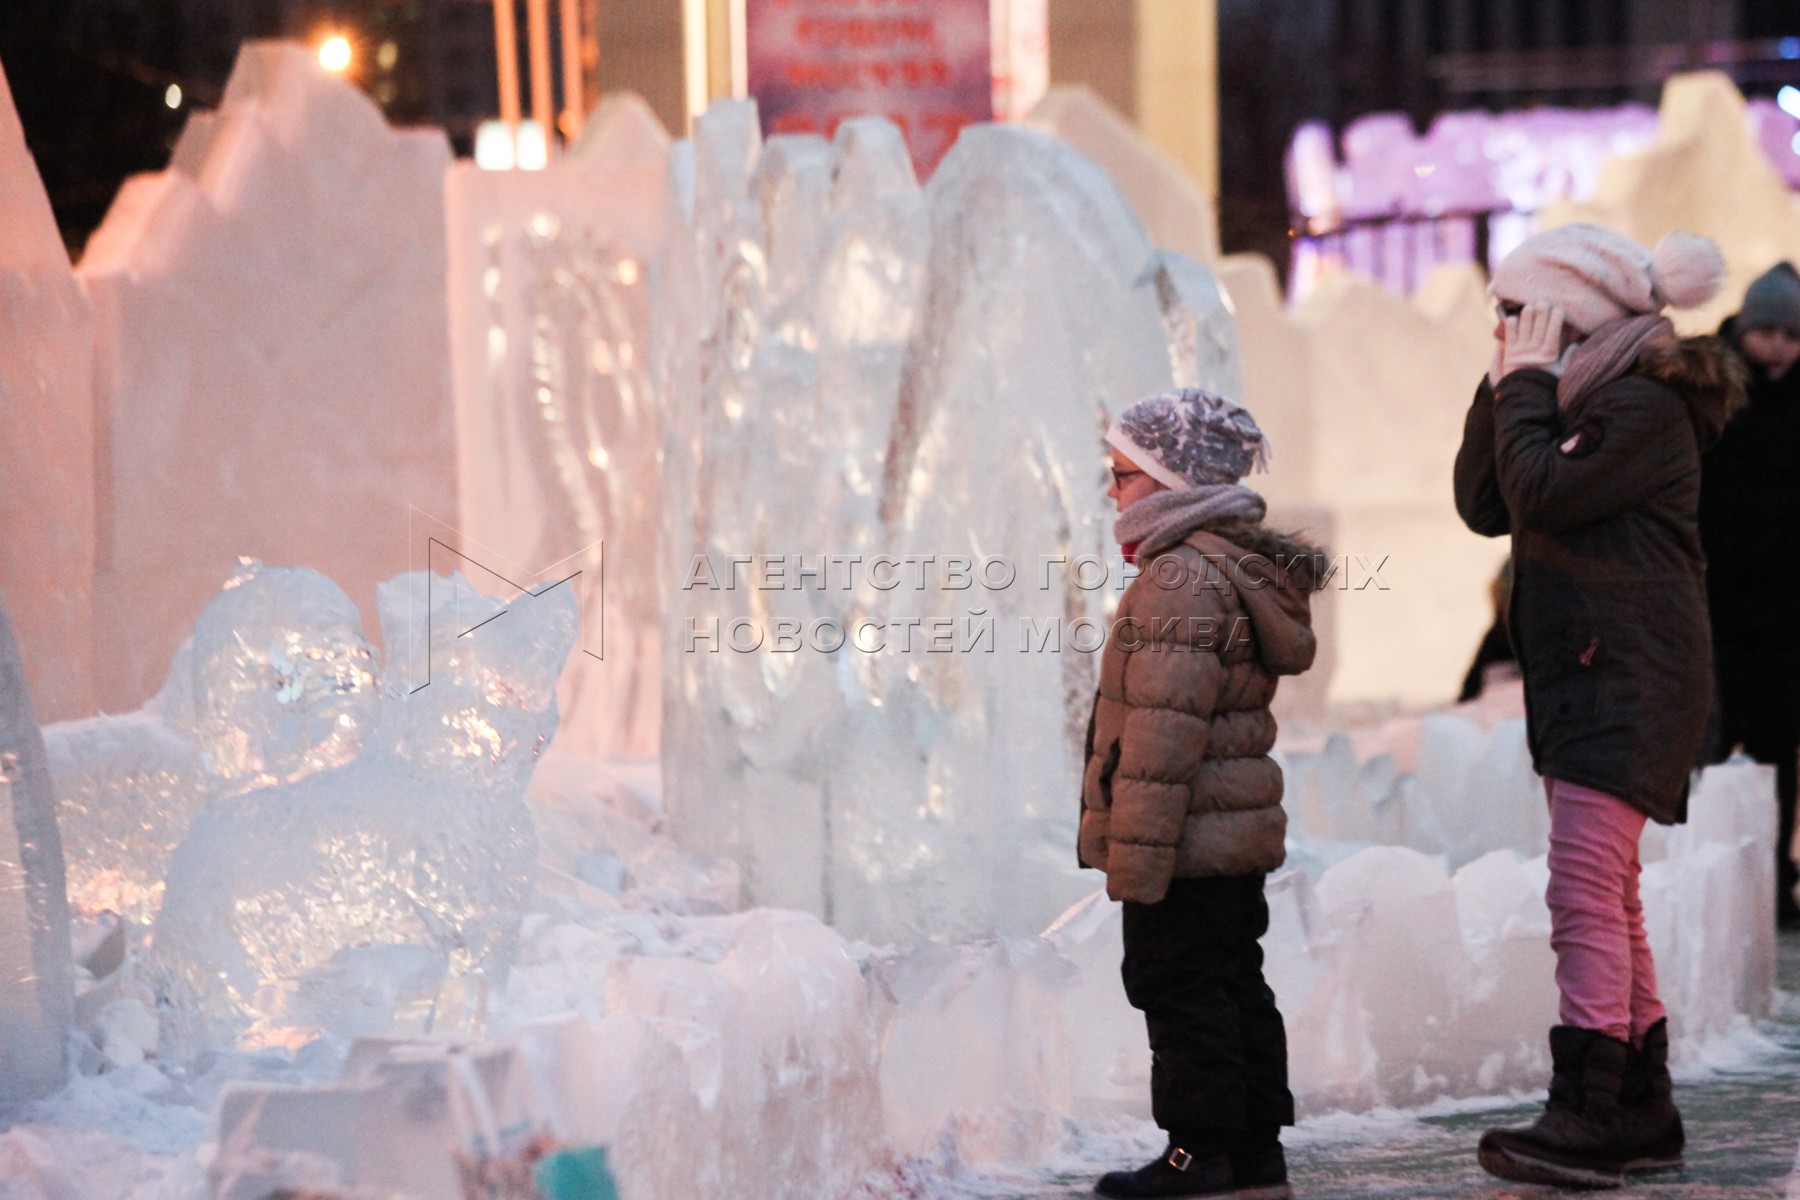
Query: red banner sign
925, 64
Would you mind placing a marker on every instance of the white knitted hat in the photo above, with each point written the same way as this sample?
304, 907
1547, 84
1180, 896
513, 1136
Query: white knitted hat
1189, 438
1596, 275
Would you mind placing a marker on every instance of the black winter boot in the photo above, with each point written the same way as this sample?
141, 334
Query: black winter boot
1204, 1172
1579, 1141
1258, 1167
1647, 1106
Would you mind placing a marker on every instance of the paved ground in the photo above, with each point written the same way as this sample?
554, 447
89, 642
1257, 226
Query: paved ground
1743, 1137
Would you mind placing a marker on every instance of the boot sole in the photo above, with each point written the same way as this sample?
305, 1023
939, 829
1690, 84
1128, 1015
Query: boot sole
1653, 1166
1524, 1168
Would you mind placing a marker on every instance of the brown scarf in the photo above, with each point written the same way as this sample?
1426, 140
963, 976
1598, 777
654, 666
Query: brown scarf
1608, 353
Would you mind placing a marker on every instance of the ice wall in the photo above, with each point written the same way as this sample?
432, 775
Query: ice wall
272, 372
46, 439
35, 996
737, 1063
1363, 394
370, 872
1705, 173
558, 438
737, 1051
1176, 212
1402, 983
851, 367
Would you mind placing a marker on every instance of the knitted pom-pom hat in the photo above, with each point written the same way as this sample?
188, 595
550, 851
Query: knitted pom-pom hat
1187, 438
1596, 275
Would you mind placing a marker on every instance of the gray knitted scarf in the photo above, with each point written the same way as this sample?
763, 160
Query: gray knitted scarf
1162, 519
1608, 353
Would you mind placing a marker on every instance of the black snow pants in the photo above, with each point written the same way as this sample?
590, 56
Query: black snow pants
1219, 1049
1759, 701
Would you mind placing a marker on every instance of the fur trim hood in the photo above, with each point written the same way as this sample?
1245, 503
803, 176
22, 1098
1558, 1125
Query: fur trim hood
1705, 373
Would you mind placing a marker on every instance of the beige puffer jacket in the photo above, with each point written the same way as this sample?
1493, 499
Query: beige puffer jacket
1178, 780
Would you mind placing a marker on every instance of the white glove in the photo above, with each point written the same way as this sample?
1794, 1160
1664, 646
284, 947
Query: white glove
1533, 339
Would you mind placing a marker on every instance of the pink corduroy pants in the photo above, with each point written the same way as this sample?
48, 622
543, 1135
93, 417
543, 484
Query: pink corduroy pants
1603, 965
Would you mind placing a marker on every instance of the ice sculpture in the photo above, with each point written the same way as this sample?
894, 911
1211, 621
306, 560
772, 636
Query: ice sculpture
743, 1064
558, 439
1176, 212
386, 890
1705, 173
277, 683
46, 440
127, 788
1402, 983
35, 987
1468, 792
260, 308
851, 368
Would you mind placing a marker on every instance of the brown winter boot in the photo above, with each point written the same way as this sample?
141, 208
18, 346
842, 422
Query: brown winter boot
1647, 1106
1579, 1141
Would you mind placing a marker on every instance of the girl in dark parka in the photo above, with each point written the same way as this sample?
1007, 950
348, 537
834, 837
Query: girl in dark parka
1584, 444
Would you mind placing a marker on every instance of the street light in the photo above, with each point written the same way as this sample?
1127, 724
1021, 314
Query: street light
334, 53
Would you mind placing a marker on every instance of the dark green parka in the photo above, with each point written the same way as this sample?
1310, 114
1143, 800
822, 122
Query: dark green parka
1609, 590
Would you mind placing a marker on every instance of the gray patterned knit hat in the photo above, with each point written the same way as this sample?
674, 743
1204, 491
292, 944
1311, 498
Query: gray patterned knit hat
1187, 438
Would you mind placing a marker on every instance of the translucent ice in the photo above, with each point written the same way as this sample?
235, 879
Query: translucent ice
744, 1066
558, 439
881, 373
390, 888
1172, 206
35, 995
127, 790
46, 439
270, 315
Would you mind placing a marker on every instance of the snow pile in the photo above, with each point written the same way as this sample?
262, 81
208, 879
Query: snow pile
849, 366
262, 307
559, 442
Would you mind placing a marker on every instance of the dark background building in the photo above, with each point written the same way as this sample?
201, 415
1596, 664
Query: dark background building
91, 77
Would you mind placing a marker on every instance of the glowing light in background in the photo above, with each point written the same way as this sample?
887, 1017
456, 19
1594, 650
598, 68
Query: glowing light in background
496, 149
334, 53
493, 146
172, 96
387, 56
534, 147
1789, 47
1789, 99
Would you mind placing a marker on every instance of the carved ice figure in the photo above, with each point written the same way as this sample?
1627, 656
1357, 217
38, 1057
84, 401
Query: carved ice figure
387, 890
559, 442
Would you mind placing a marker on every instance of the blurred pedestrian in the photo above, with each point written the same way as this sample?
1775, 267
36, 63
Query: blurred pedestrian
1584, 444
1181, 803
1494, 658
1750, 525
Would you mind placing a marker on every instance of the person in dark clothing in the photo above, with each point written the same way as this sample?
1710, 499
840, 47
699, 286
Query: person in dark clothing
1496, 647
1584, 444
1750, 525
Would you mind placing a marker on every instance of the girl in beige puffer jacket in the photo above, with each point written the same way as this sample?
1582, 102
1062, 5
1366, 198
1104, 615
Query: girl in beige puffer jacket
1181, 803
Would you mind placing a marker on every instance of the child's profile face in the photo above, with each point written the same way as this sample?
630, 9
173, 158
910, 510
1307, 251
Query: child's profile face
1130, 483
1773, 349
